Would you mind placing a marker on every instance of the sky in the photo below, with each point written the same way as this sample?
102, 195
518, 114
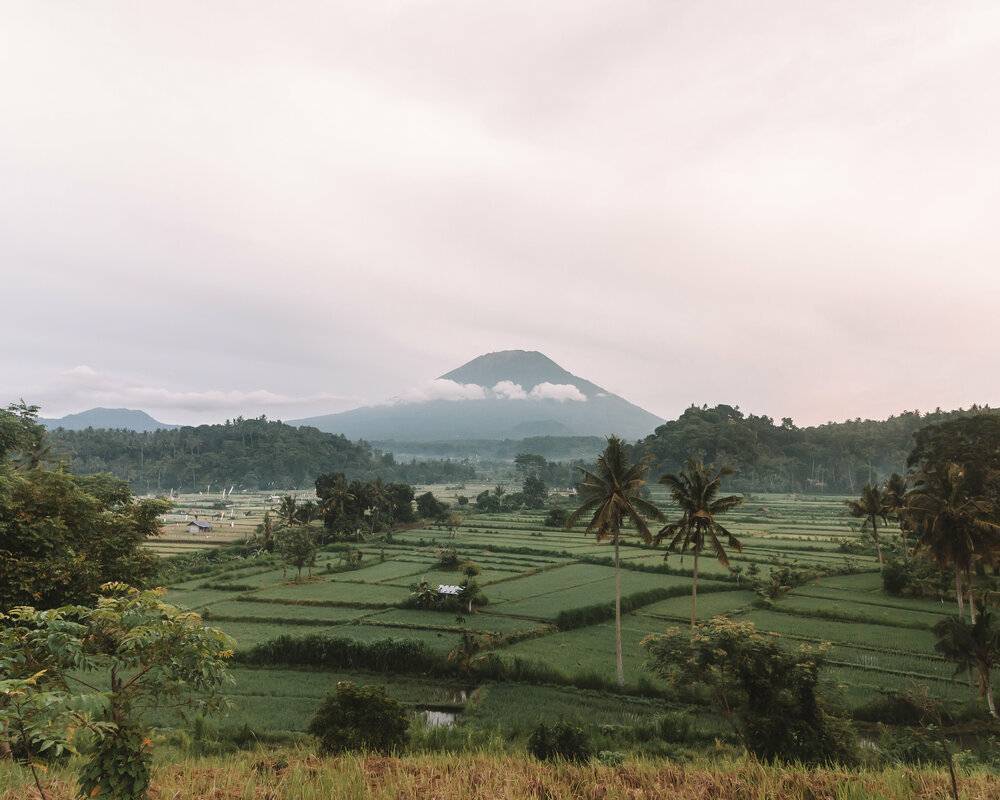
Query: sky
213, 209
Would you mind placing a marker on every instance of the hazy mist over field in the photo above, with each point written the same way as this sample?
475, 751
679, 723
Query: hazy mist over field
233, 208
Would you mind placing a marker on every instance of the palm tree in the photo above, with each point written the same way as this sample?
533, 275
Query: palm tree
380, 500
265, 533
611, 497
287, 510
695, 491
337, 499
954, 526
307, 511
872, 506
972, 646
895, 495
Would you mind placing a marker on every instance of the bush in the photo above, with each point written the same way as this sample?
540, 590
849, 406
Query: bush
470, 569
894, 708
910, 746
360, 718
771, 692
448, 558
556, 518
562, 741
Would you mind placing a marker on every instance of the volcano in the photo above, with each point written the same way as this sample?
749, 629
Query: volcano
511, 394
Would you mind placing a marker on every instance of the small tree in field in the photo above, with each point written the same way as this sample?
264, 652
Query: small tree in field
360, 718
297, 547
102, 669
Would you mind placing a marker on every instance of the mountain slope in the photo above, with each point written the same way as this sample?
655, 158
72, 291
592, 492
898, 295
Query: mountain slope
129, 419
509, 394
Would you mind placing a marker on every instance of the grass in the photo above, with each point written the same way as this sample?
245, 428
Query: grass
297, 775
534, 575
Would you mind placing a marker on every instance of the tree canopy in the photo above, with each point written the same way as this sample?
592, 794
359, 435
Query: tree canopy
248, 453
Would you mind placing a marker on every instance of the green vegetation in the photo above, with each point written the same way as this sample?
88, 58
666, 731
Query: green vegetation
360, 718
782, 457
245, 453
559, 642
99, 670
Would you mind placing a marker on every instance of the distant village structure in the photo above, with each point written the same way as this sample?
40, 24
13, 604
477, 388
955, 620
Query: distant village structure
198, 526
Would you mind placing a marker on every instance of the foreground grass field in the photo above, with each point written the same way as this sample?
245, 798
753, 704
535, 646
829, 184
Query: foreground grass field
295, 775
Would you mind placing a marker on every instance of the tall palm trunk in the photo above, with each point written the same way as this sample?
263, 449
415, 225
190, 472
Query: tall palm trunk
958, 593
694, 593
619, 667
988, 691
878, 544
972, 596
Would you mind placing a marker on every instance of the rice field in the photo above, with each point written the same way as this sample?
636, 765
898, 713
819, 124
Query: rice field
532, 574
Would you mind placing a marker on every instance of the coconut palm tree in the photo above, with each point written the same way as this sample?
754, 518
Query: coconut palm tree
972, 647
695, 491
380, 501
307, 511
610, 496
954, 526
337, 499
287, 511
872, 506
895, 496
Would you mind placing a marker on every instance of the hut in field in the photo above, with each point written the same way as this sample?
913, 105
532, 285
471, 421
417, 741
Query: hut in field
198, 526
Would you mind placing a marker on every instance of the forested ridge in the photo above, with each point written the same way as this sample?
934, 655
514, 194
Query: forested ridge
780, 456
248, 453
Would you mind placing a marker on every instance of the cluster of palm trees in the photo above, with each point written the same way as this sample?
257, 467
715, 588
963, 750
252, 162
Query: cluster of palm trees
612, 500
957, 525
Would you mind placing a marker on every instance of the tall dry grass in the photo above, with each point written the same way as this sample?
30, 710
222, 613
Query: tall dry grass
295, 775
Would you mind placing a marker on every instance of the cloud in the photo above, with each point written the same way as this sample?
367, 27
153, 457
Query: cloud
510, 390
444, 389
83, 387
557, 391
441, 389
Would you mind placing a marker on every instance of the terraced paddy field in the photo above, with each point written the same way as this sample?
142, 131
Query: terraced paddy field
538, 581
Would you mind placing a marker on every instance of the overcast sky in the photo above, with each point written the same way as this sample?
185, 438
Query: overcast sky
217, 208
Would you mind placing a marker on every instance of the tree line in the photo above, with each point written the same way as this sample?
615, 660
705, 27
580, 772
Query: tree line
836, 458
247, 453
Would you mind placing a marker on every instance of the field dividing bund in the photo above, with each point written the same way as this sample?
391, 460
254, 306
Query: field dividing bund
550, 596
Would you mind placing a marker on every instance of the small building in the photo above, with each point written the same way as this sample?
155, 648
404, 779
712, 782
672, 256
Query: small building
446, 589
198, 526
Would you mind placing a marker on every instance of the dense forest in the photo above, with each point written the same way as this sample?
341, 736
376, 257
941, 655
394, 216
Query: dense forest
248, 453
770, 456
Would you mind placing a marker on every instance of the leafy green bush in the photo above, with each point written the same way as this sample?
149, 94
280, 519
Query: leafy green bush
556, 518
771, 692
360, 718
448, 558
600, 612
562, 741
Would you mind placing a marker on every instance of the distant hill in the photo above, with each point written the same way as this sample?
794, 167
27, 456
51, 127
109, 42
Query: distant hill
245, 453
511, 394
127, 419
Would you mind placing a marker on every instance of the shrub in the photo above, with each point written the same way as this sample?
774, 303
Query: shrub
771, 692
556, 518
360, 718
561, 741
910, 746
893, 708
470, 569
448, 558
